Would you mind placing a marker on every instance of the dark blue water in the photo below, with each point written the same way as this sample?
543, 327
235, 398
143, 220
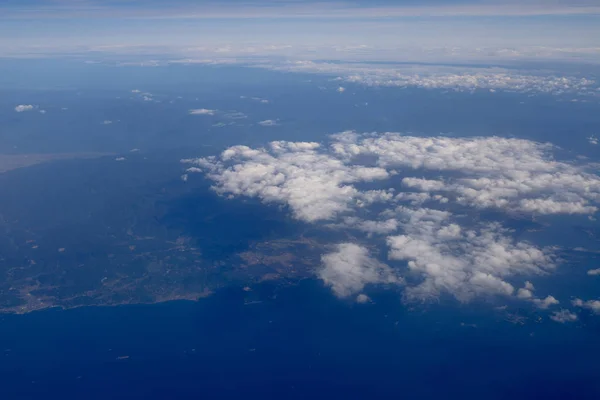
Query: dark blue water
296, 342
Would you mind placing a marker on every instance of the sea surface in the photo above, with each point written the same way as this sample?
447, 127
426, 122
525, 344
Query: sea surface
295, 342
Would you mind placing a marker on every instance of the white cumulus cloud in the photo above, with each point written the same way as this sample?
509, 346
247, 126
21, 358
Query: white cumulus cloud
24, 107
350, 268
563, 316
363, 298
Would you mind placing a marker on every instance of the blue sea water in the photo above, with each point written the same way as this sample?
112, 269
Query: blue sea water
293, 343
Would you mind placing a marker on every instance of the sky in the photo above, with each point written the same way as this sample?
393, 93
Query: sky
564, 30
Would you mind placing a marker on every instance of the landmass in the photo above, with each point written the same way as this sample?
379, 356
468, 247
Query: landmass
88, 232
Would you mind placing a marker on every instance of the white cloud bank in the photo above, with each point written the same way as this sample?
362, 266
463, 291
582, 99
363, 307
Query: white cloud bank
463, 79
411, 218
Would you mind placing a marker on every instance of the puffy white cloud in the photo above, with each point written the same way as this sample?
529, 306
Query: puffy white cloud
594, 272
443, 253
24, 107
202, 111
545, 302
563, 316
592, 305
593, 140
526, 293
378, 227
350, 268
363, 298
425, 185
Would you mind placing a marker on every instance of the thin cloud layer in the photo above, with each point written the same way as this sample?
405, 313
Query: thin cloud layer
410, 216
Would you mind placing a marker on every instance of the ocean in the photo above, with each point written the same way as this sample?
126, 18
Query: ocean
295, 342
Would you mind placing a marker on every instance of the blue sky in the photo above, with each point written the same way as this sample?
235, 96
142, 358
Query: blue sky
66, 26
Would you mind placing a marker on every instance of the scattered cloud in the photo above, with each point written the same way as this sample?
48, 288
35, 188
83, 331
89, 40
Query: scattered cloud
268, 122
341, 89
411, 216
107, 122
24, 107
510, 174
593, 140
202, 111
563, 316
120, 159
464, 79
